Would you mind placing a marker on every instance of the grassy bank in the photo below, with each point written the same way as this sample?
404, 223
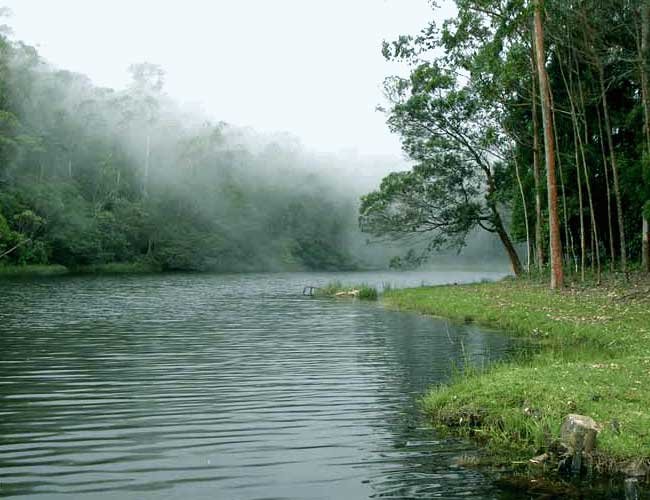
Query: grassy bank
33, 270
118, 268
55, 269
594, 360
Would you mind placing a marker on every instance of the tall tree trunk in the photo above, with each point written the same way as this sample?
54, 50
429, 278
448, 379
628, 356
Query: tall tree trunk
644, 61
580, 205
612, 155
557, 273
592, 212
562, 188
499, 227
612, 252
147, 154
644, 66
523, 202
580, 157
539, 241
645, 245
507, 243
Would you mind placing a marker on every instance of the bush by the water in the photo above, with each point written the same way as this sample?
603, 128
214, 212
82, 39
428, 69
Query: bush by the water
336, 288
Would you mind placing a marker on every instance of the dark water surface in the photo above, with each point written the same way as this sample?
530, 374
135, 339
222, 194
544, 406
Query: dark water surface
226, 387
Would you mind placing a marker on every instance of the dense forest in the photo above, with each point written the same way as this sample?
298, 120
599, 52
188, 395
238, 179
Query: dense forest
92, 175
530, 120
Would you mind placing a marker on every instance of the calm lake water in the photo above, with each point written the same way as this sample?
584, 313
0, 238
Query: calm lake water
226, 387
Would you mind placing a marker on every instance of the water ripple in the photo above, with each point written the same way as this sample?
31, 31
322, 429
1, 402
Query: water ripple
223, 387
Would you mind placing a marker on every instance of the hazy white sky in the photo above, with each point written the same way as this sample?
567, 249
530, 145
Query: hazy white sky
312, 68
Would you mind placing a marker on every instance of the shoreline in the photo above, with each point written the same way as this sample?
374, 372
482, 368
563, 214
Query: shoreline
40, 270
593, 359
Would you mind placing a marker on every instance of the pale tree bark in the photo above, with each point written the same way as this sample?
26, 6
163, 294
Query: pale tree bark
592, 212
644, 63
539, 241
581, 208
646, 245
562, 188
612, 252
557, 273
612, 156
523, 202
497, 222
147, 155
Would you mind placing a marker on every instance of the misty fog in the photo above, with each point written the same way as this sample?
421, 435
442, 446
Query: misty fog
125, 174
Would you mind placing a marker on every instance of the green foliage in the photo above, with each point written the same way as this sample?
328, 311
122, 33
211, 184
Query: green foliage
469, 97
337, 289
450, 124
368, 293
92, 176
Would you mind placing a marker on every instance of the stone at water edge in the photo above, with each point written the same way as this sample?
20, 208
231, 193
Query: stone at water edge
636, 468
579, 433
631, 488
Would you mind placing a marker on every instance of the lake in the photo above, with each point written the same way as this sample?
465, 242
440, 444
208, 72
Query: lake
204, 386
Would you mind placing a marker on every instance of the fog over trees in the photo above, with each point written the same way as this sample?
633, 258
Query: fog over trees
92, 175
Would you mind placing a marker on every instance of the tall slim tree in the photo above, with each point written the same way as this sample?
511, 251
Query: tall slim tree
557, 273
644, 68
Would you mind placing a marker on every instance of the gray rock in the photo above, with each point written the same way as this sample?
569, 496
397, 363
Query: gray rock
579, 433
632, 489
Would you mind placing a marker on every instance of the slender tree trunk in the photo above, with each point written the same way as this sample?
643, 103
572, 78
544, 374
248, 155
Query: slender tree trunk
612, 252
612, 154
507, 244
644, 64
579, 147
539, 241
15, 247
646, 245
499, 227
147, 154
562, 189
580, 206
70, 168
557, 273
645, 93
592, 212
523, 202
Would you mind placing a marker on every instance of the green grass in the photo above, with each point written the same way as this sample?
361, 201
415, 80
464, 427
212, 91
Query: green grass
118, 268
594, 360
56, 269
33, 270
362, 291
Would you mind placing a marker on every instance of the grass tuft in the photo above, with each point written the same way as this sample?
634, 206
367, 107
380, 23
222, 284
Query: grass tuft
336, 289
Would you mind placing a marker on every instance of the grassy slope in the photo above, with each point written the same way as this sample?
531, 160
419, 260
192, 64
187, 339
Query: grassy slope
56, 269
595, 361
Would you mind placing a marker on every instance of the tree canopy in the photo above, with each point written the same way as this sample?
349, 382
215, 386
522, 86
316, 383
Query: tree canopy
469, 117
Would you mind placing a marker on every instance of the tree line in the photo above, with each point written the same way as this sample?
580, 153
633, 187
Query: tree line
92, 175
509, 94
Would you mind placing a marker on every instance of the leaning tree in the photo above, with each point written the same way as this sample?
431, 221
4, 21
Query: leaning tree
457, 184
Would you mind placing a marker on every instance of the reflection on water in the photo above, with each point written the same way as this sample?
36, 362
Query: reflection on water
232, 387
